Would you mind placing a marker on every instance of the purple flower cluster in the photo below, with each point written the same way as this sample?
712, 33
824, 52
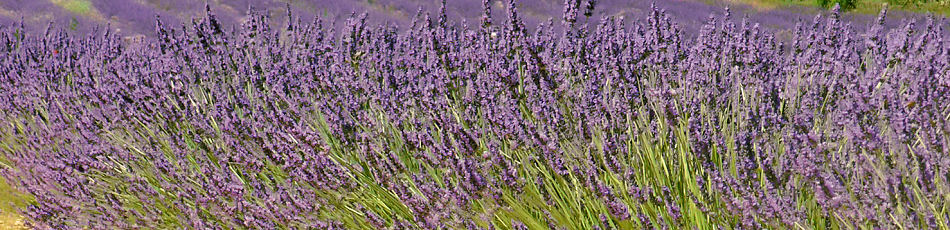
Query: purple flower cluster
450, 125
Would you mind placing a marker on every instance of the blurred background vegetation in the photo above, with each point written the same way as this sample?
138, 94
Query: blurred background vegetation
940, 7
134, 20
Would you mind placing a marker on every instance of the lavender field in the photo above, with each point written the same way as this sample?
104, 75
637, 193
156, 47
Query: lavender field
491, 118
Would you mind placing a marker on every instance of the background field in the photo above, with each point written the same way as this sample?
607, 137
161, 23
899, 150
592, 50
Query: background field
137, 19
941, 7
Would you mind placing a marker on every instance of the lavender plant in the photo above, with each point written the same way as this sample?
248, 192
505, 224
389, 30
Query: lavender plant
596, 123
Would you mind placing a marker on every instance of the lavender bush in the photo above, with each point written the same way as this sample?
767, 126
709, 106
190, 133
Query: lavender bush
577, 123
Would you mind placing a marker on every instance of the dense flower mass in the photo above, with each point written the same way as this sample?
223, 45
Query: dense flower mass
573, 124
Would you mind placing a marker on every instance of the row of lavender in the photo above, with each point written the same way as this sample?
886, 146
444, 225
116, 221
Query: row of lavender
491, 124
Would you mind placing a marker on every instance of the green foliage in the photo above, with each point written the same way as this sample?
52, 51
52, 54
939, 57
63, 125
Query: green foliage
845, 4
940, 7
81, 7
917, 2
10, 198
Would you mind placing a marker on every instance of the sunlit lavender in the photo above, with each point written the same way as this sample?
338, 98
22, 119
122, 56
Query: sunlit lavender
583, 121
